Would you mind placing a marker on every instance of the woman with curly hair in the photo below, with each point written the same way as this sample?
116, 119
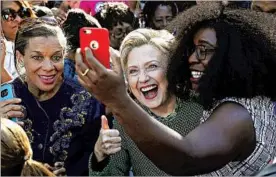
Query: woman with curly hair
229, 57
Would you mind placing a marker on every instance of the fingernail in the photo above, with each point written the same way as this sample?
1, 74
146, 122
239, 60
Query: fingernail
78, 50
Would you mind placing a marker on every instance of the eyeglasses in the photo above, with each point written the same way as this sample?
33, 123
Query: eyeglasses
201, 51
10, 14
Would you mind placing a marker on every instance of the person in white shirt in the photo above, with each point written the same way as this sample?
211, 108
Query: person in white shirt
12, 13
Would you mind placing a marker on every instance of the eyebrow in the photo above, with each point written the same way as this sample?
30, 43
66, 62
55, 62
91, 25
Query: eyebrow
145, 63
52, 54
206, 42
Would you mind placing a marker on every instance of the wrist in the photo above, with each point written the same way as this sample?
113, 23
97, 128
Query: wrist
120, 103
99, 155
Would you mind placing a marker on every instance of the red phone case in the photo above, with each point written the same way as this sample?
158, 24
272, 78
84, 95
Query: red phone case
98, 40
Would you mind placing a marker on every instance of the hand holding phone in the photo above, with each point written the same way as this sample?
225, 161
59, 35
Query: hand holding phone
98, 40
9, 103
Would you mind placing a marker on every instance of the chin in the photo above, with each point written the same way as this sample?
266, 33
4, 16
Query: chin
46, 88
151, 104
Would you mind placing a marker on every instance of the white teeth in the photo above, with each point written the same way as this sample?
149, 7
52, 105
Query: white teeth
196, 74
47, 77
145, 89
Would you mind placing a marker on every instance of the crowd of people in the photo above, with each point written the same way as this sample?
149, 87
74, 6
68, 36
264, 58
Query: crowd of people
190, 90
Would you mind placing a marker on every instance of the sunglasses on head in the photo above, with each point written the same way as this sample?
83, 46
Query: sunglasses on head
10, 14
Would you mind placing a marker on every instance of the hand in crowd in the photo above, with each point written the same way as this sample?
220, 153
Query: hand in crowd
11, 109
58, 168
99, 80
108, 143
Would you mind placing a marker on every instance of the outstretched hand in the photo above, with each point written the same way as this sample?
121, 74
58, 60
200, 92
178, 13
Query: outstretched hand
108, 86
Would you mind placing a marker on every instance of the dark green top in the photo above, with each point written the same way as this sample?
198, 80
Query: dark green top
184, 119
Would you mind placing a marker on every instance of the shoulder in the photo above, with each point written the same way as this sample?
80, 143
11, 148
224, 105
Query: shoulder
251, 106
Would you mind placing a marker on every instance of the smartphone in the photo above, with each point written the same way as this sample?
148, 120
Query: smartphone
98, 40
7, 93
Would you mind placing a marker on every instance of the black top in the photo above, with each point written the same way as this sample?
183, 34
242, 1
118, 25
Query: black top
64, 128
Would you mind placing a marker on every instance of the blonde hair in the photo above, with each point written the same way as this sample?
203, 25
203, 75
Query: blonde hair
161, 39
16, 152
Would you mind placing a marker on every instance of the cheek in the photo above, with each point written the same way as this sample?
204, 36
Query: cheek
161, 78
59, 67
31, 67
6, 26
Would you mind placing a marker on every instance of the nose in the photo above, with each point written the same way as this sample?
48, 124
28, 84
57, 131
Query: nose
143, 77
165, 22
193, 58
47, 65
18, 19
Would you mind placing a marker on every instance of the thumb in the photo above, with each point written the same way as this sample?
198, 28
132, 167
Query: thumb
105, 125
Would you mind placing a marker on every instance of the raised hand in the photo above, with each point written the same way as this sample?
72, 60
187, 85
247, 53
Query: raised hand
108, 86
109, 141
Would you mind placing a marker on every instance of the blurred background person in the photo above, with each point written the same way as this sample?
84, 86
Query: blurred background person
61, 119
76, 19
118, 19
144, 56
264, 6
16, 152
12, 13
157, 14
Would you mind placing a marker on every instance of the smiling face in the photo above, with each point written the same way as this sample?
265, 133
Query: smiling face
43, 61
205, 42
146, 75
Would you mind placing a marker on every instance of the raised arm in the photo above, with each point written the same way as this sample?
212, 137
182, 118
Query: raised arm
227, 135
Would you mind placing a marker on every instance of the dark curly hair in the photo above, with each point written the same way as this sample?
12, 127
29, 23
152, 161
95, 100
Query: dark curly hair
151, 6
112, 13
76, 19
244, 63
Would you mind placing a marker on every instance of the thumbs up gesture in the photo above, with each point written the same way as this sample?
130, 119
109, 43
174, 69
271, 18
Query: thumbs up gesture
109, 141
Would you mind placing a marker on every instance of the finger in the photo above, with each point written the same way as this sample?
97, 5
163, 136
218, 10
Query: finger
111, 140
111, 145
49, 167
110, 133
20, 123
105, 125
59, 164
60, 172
10, 101
11, 107
116, 61
93, 62
84, 84
17, 114
81, 67
113, 150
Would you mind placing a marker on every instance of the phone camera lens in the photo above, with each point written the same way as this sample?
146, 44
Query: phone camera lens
4, 93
